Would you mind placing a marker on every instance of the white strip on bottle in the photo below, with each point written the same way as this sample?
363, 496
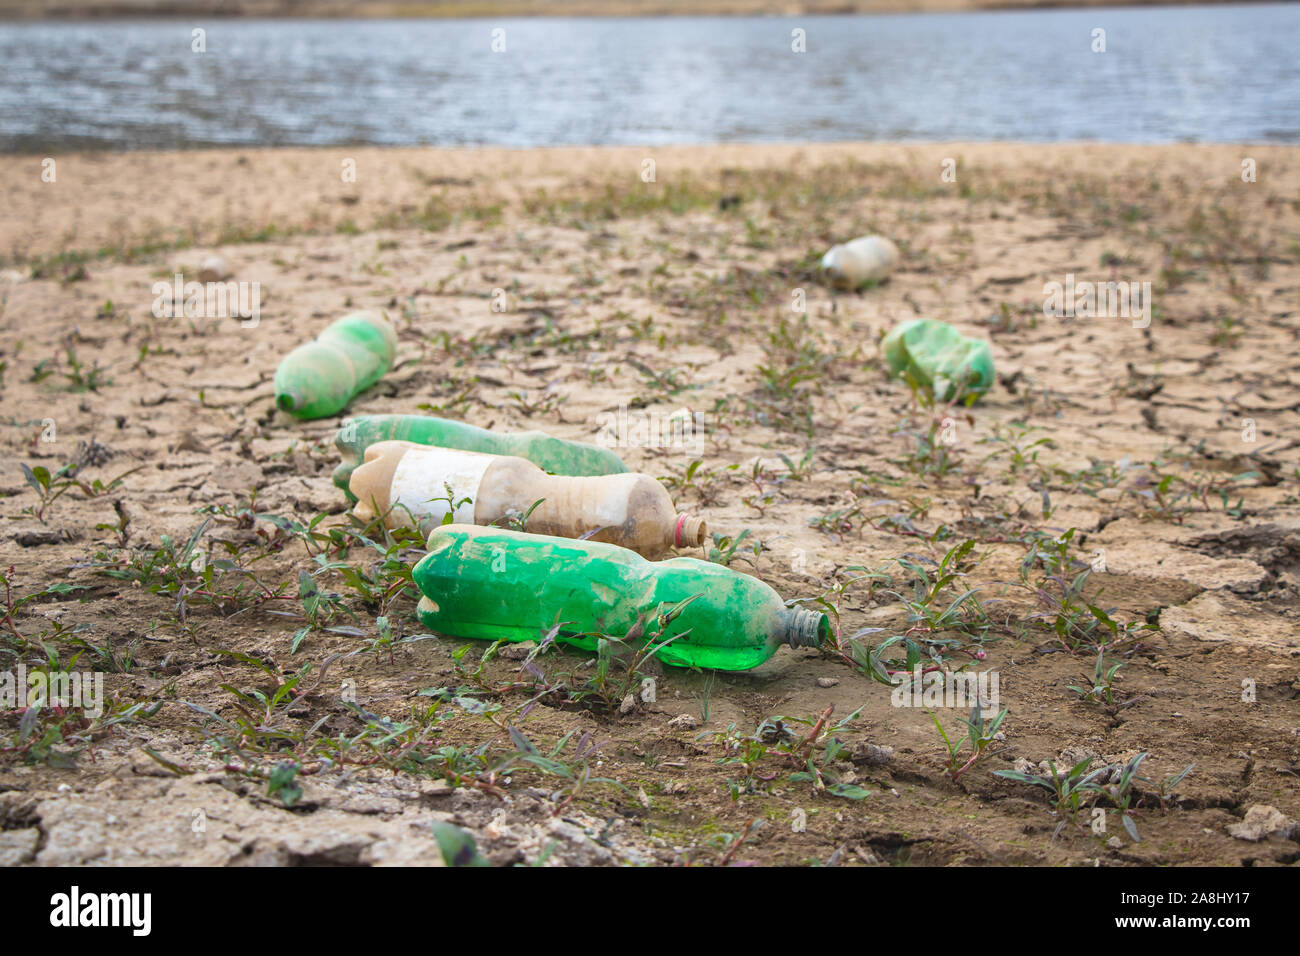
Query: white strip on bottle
426, 478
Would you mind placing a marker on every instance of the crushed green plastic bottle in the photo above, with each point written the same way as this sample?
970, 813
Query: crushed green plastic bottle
495, 584
939, 358
559, 457
321, 377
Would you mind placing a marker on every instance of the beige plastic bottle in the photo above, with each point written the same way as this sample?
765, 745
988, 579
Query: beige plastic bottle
408, 484
865, 259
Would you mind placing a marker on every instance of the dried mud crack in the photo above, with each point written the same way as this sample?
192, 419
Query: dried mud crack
269, 696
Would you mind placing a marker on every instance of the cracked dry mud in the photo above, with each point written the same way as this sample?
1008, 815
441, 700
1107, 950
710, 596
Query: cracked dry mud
663, 304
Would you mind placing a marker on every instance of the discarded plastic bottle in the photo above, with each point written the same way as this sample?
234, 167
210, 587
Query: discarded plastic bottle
865, 259
213, 268
494, 584
940, 358
321, 377
555, 455
412, 484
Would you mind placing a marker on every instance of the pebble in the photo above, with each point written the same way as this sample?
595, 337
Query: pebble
1262, 821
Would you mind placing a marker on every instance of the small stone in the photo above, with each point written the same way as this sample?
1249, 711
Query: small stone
684, 722
516, 652
628, 705
18, 846
1115, 843
1262, 821
1023, 766
873, 754
1072, 756
145, 766
827, 681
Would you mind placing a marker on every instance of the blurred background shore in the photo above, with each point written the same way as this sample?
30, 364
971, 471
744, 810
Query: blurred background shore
76, 9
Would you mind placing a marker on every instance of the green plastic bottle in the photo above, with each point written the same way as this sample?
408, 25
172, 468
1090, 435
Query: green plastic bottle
321, 377
559, 457
940, 358
494, 584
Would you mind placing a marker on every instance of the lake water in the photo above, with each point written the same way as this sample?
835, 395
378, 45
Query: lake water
1167, 74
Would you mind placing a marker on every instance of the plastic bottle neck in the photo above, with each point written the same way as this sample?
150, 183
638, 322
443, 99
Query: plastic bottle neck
800, 627
688, 531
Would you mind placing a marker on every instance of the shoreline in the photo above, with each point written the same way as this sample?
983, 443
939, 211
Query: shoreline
109, 204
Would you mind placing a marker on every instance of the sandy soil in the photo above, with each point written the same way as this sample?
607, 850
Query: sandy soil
676, 293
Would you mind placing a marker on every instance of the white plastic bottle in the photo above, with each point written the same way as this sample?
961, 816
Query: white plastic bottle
865, 259
418, 486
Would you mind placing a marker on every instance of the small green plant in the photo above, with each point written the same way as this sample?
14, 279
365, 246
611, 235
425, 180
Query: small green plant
746, 752
14, 604
1165, 786
1170, 497
1101, 688
801, 470
817, 752
56, 736
934, 449
543, 403
574, 776
1070, 790
724, 547
619, 660
514, 520
934, 608
1121, 793
48, 487
83, 379
1074, 617
980, 734
704, 695
1012, 443
695, 479
1227, 333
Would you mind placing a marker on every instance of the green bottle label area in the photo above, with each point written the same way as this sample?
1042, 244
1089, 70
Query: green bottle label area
493, 584
555, 455
320, 378
939, 358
